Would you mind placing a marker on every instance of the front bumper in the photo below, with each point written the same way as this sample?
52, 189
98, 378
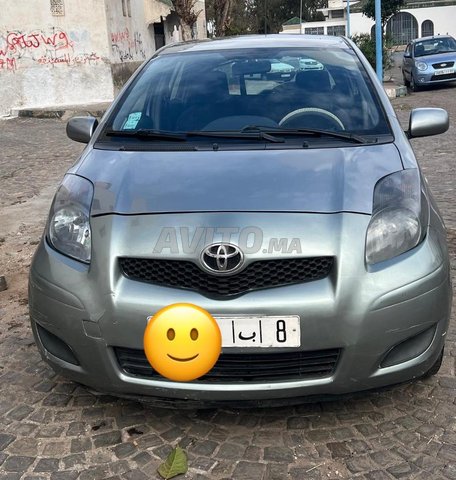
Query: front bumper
429, 77
364, 312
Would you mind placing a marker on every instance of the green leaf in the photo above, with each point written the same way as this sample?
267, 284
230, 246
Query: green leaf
175, 464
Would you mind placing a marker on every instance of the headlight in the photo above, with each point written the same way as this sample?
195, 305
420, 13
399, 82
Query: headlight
421, 66
399, 218
68, 227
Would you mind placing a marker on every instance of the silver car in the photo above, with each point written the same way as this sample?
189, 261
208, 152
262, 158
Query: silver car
296, 216
429, 61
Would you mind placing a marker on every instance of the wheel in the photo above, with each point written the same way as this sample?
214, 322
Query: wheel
291, 117
406, 82
436, 367
413, 86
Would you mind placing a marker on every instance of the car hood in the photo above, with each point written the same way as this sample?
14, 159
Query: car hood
325, 180
438, 58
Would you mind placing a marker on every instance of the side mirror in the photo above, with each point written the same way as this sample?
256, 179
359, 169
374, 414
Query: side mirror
427, 121
407, 55
81, 129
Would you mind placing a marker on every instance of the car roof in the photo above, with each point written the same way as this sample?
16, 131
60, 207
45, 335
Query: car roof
416, 40
257, 41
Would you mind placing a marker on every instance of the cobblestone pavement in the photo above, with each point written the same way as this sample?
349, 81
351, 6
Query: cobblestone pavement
53, 429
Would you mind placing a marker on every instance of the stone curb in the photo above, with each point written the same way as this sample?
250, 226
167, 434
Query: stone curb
63, 112
395, 90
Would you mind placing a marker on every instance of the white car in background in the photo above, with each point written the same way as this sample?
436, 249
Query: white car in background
309, 64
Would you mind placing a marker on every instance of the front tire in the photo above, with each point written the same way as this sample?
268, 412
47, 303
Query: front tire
406, 82
413, 86
436, 367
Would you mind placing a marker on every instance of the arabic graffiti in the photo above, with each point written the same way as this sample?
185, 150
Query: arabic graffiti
43, 47
128, 46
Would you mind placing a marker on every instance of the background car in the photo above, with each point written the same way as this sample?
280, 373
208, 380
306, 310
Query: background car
429, 61
297, 216
309, 64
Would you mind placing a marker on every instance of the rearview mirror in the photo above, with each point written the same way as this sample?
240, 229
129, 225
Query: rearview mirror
425, 122
249, 67
81, 129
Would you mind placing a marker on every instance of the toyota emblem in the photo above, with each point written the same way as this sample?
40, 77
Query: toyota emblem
223, 258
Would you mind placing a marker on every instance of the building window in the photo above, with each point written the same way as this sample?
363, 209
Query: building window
427, 28
337, 30
57, 8
337, 14
126, 8
315, 31
403, 28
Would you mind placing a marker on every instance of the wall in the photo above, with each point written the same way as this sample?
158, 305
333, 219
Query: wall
443, 18
132, 35
131, 39
50, 60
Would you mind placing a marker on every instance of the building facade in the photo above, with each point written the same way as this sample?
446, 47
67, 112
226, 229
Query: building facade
419, 18
69, 52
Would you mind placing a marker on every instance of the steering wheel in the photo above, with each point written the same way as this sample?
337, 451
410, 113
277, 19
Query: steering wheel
319, 112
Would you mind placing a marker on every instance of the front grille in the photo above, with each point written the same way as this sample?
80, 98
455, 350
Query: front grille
443, 65
448, 76
259, 274
245, 367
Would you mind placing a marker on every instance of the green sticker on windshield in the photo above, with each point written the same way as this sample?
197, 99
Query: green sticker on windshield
132, 121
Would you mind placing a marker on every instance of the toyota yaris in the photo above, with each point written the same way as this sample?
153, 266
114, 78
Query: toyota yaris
295, 213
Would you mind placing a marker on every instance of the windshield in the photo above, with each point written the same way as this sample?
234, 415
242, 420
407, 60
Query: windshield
434, 46
231, 90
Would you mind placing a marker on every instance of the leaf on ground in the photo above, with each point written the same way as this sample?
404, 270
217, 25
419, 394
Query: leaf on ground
175, 464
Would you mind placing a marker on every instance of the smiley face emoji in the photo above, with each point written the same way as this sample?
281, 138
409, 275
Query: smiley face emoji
182, 342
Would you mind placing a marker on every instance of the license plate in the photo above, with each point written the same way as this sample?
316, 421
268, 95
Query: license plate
444, 71
260, 331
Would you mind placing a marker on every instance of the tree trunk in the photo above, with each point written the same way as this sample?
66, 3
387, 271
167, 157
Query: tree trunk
223, 10
187, 16
186, 31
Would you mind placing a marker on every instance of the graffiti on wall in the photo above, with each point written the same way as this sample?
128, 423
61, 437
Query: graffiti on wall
43, 47
128, 46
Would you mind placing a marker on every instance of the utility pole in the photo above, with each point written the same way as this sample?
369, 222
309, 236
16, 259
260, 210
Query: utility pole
300, 17
378, 40
348, 18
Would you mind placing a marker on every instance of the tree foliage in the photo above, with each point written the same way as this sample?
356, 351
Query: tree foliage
367, 45
234, 17
388, 9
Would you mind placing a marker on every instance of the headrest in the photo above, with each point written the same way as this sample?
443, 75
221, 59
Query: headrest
419, 49
314, 80
216, 82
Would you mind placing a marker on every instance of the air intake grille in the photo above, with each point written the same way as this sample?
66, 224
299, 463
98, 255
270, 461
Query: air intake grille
447, 76
245, 367
443, 65
259, 274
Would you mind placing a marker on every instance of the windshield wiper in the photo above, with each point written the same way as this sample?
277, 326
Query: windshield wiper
147, 134
182, 136
253, 135
309, 131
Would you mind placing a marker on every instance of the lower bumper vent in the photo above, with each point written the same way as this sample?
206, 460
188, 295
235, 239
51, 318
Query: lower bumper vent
245, 367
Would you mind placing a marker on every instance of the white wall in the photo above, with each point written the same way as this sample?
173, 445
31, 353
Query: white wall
443, 18
50, 60
130, 40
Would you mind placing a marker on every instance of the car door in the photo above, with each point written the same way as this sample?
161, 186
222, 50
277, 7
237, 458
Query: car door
407, 62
